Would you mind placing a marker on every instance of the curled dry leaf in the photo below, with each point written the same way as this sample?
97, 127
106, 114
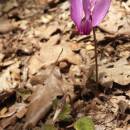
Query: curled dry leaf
8, 121
10, 77
16, 111
21, 109
8, 114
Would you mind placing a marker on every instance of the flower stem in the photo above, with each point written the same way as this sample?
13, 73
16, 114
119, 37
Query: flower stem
96, 54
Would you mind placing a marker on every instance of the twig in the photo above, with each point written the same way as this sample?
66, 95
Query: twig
56, 61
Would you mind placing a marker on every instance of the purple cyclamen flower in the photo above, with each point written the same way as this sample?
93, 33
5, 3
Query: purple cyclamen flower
88, 13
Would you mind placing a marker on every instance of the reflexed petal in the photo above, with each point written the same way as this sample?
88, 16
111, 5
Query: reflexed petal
77, 12
99, 11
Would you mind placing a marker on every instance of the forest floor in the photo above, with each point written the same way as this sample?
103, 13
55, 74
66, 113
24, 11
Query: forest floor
47, 70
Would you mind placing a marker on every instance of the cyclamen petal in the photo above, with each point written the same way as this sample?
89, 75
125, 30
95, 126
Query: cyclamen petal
86, 26
88, 13
100, 10
92, 4
87, 8
77, 12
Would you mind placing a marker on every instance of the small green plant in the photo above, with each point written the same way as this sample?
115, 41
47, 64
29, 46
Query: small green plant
84, 123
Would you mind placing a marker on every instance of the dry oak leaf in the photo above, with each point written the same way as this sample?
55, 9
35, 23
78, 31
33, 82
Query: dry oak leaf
49, 54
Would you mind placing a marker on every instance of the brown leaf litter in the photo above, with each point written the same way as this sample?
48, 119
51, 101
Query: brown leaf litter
41, 99
114, 72
33, 73
44, 58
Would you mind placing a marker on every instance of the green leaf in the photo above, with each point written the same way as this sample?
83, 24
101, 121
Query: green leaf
48, 127
65, 114
84, 123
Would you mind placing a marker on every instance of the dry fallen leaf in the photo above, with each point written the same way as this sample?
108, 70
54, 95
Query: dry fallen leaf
45, 32
45, 2
10, 77
8, 114
6, 26
16, 111
43, 96
8, 5
118, 24
120, 129
48, 55
8, 121
118, 72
